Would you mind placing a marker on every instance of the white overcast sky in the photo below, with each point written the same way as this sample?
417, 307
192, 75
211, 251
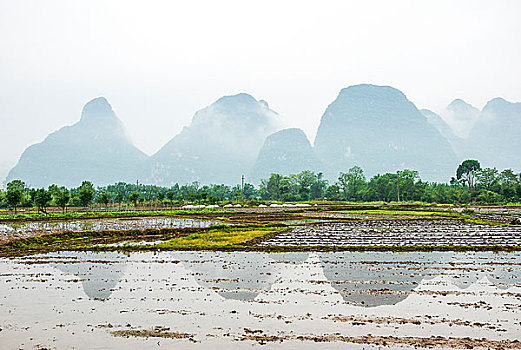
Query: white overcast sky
157, 62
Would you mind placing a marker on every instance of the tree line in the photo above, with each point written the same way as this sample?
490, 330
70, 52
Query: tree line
471, 184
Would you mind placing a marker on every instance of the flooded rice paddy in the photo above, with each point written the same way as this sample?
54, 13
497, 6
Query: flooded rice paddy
28, 229
260, 300
398, 232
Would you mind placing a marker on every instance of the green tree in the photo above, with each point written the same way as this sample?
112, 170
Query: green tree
14, 193
170, 195
41, 199
86, 193
249, 191
333, 192
467, 171
305, 179
318, 188
407, 182
104, 198
510, 185
352, 183
487, 177
133, 198
272, 187
119, 199
61, 198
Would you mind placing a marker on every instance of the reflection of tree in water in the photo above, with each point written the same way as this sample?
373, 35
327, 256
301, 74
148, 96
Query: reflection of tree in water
99, 273
241, 276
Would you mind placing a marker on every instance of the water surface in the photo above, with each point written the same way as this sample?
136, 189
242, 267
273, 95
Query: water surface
69, 299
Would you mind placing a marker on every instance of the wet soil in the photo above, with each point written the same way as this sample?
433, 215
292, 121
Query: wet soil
243, 300
398, 233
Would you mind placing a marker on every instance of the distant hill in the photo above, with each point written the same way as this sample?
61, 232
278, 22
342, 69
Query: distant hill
380, 130
458, 144
374, 127
495, 139
461, 116
285, 152
96, 148
220, 145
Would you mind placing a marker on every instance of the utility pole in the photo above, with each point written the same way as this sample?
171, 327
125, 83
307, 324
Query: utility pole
137, 188
398, 185
242, 188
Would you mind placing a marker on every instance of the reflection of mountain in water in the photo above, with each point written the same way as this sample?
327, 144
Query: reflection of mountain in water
242, 278
289, 258
99, 273
472, 270
368, 280
450, 260
373, 279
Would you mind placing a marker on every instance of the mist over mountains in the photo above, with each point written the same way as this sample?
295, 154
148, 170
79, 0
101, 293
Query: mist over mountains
96, 148
374, 127
378, 129
220, 144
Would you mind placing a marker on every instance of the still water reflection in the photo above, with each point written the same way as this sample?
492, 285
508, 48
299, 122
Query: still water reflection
61, 299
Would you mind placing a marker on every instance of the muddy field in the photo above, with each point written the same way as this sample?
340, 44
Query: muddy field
245, 300
177, 295
398, 232
28, 229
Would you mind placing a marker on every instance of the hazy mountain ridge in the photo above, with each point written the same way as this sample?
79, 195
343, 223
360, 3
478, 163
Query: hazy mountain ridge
458, 144
461, 117
375, 127
285, 152
495, 137
96, 148
380, 130
220, 145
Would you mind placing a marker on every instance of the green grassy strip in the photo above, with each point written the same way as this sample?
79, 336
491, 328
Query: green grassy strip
108, 214
66, 240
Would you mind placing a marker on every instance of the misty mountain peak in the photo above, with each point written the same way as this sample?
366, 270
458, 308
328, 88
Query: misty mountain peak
285, 152
368, 101
98, 109
502, 107
495, 136
367, 92
233, 101
95, 148
224, 138
264, 103
379, 129
458, 105
241, 111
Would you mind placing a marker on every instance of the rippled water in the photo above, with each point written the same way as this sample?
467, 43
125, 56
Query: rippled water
80, 299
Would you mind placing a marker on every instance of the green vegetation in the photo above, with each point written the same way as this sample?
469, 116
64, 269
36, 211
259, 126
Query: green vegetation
107, 214
222, 237
471, 185
216, 236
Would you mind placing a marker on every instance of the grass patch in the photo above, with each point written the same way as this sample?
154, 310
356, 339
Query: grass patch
406, 213
108, 214
214, 238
